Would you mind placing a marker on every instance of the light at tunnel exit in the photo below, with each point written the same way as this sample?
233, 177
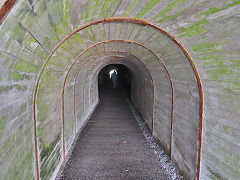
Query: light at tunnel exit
112, 71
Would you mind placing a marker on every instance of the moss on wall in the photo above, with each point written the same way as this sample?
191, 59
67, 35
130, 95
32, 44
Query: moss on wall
147, 8
50, 157
3, 122
130, 7
195, 29
168, 8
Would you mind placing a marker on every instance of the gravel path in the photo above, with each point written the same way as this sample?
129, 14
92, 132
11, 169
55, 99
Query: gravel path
114, 145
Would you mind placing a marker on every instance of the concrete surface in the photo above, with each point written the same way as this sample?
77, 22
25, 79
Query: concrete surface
207, 29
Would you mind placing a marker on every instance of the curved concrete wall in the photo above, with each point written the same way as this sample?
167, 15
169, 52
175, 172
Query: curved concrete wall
207, 29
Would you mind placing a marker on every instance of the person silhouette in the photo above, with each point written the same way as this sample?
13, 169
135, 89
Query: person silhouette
114, 78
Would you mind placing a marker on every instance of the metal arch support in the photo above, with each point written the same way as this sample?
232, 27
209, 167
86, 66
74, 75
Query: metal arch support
142, 23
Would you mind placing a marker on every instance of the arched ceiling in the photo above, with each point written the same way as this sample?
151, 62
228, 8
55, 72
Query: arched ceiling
191, 39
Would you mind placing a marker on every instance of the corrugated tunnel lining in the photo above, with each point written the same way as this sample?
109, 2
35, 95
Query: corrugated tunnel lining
141, 23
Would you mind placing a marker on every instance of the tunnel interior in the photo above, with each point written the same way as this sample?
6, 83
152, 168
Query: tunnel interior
123, 78
183, 62
112, 145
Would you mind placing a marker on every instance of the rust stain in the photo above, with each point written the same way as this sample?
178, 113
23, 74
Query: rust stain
116, 59
201, 102
35, 142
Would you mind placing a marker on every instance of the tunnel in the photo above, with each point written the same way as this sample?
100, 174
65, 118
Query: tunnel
115, 144
178, 74
123, 78
132, 85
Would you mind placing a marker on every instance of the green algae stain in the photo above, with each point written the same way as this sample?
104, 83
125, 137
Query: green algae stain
213, 10
5, 62
66, 13
59, 32
48, 77
7, 144
8, 88
3, 122
5, 89
169, 7
206, 47
41, 8
165, 18
210, 11
82, 14
46, 156
101, 32
133, 4
225, 128
231, 159
147, 8
212, 60
47, 81
222, 70
47, 42
79, 39
65, 9
90, 34
30, 40
41, 53
194, 29
106, 7
215, 175
19, 76
24, 67
96, 8
19, 33
23, 108
42, 110
40, 132
7, 43
216, 67
207, 57
91, 9
115, 5
236, 85
236, 63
